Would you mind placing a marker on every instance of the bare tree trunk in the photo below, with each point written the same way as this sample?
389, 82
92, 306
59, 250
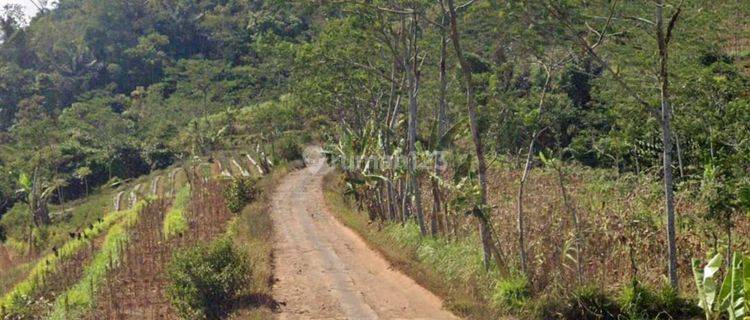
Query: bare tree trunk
442, 127
637, 162
520, 216
413, 75
666, 113
392, 203
485, 232
62, 199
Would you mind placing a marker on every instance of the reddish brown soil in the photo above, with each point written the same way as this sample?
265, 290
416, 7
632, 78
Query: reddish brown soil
326, 271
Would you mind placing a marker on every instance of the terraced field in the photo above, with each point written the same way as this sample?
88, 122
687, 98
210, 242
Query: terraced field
114, 268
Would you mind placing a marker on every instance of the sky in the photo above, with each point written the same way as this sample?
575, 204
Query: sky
29, 8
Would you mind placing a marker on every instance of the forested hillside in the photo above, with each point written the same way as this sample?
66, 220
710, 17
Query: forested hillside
93, 90
537, 159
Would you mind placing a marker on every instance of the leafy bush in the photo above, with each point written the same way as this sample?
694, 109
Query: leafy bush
240, 192
288, 148
17, 221
728, 296
204, 281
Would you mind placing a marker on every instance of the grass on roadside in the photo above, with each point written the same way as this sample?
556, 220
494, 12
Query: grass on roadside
451, 269
252, 232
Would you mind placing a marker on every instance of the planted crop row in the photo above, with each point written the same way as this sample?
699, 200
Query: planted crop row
135, 289
76, 300
43, 275
175, 222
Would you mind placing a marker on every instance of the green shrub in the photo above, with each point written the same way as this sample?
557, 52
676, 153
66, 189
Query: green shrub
511, 293
240, 192
204, 281
288, 148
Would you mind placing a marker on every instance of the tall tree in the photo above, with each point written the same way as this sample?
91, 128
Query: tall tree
483, 210
663, 36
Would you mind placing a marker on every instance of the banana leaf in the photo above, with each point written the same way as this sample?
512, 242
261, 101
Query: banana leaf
731, 297
707, 284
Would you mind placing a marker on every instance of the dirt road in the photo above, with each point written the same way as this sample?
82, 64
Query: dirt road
326, 271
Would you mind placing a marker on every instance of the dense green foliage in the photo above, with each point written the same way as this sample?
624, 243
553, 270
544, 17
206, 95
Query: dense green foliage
113, 86
206, 280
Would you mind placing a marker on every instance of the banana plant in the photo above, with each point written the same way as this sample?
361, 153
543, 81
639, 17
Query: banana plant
729, 296
36, 194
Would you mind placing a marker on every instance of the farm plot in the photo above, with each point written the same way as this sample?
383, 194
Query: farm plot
136, 288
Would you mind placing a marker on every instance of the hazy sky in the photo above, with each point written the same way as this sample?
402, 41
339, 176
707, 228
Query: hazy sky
29, 8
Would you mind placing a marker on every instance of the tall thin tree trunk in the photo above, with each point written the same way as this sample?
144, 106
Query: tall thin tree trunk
485, 231
666, 113
392, 204
637, 162
442, 127
413, 114
526, 171
520, 216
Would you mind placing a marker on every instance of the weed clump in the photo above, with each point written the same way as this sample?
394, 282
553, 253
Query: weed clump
590, 303
640, 302
512, 293
205, 281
